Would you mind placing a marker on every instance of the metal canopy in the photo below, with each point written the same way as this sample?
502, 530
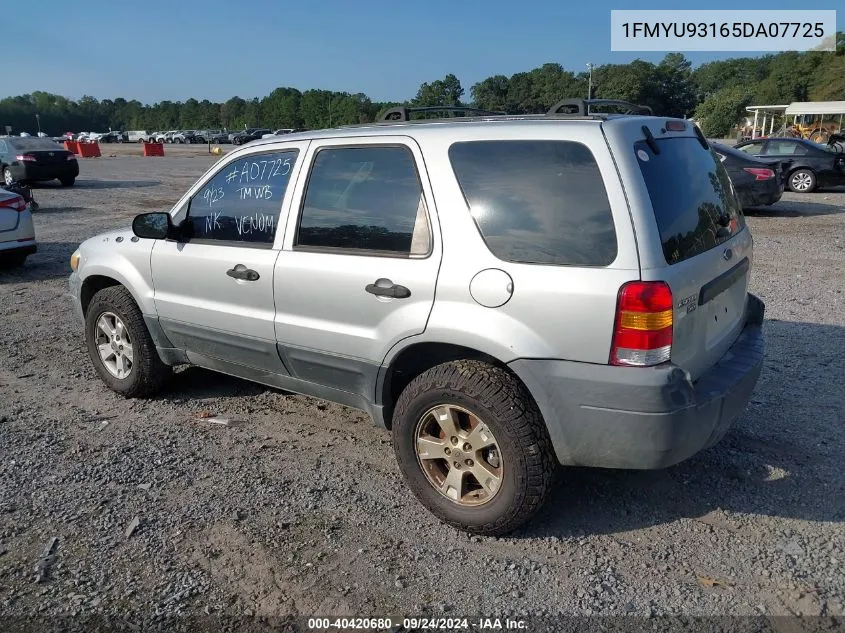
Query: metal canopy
815, 107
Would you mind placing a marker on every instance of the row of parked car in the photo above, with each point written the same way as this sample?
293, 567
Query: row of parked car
236, 137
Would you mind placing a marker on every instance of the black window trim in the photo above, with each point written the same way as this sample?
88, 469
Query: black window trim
234, 243
361, 252
539, 140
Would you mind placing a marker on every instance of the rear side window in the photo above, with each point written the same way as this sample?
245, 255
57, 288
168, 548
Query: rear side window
694, 202
787, 148
365, 200
537, 202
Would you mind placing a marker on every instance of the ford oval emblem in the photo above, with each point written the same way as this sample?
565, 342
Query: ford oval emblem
727, 254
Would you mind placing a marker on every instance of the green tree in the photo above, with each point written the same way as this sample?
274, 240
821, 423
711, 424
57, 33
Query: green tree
442, 92
722, 110
491, 93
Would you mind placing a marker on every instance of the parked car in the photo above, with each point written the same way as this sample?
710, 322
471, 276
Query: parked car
601, 266
164, 137
32, 159
113, 137
757, 181
17, 233
210, 136
249, 135
278, 132
138, 136
184, 136
811, 165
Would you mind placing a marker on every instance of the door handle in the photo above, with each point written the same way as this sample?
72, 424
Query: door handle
386, 288
242, 272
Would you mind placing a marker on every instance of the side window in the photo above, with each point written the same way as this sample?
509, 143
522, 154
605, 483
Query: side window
3, 147
781, 148
537, 202
752, 148
365, 199
242, 202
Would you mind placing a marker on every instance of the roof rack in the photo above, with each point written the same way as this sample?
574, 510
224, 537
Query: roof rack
402, 113
581, 107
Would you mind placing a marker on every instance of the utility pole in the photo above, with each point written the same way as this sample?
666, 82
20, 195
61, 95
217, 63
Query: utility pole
590, 84
38, 120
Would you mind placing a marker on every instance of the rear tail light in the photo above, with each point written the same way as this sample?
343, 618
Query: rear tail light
71, 157
25, 158
759, 173
17, 203
642, 335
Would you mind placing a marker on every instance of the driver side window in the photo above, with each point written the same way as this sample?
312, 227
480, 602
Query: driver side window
241, 204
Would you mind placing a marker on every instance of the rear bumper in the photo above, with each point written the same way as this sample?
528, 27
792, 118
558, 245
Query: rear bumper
644, 418
18, 248
29, 171
756, 196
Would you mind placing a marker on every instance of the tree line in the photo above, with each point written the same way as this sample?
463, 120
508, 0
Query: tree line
715, 93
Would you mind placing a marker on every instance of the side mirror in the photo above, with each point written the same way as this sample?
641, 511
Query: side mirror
153, 226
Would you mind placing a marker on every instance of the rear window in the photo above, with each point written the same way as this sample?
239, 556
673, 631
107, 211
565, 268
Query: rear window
693, 199
33, 143
537, 202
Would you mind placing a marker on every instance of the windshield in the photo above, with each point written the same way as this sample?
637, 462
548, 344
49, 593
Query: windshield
694, 201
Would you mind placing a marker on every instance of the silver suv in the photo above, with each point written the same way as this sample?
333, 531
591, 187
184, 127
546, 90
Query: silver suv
504, 293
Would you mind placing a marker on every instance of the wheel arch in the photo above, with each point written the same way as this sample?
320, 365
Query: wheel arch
416, 358
92, 284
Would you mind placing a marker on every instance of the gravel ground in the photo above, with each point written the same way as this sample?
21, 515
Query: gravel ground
297, 507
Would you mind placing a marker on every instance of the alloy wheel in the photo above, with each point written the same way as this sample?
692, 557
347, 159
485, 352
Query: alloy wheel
459, 455
114, 345
802, 181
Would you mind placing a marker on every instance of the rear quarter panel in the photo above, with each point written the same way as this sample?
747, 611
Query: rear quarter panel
562, 312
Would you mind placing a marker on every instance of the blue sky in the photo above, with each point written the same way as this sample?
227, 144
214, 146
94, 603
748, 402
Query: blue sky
214, 49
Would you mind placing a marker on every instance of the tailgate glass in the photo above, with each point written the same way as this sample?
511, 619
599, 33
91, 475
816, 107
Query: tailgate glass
694, 201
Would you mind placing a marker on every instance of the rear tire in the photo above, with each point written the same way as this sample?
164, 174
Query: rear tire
506, 415
802, 181
67, 182
12, 261
147, 372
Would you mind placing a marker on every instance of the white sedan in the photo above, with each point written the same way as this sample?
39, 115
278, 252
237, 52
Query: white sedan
17, 233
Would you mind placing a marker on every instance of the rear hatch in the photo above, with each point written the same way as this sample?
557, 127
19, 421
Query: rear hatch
702, 249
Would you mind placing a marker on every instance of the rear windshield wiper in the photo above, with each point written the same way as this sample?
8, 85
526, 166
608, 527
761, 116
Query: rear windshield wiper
649, 138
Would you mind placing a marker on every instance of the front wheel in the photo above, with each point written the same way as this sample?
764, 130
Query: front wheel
7, 176
120, 345
12, 261
802, 181
473, 447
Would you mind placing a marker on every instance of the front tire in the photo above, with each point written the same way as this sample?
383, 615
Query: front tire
473, 447
12, 261
120, 345
802, 181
